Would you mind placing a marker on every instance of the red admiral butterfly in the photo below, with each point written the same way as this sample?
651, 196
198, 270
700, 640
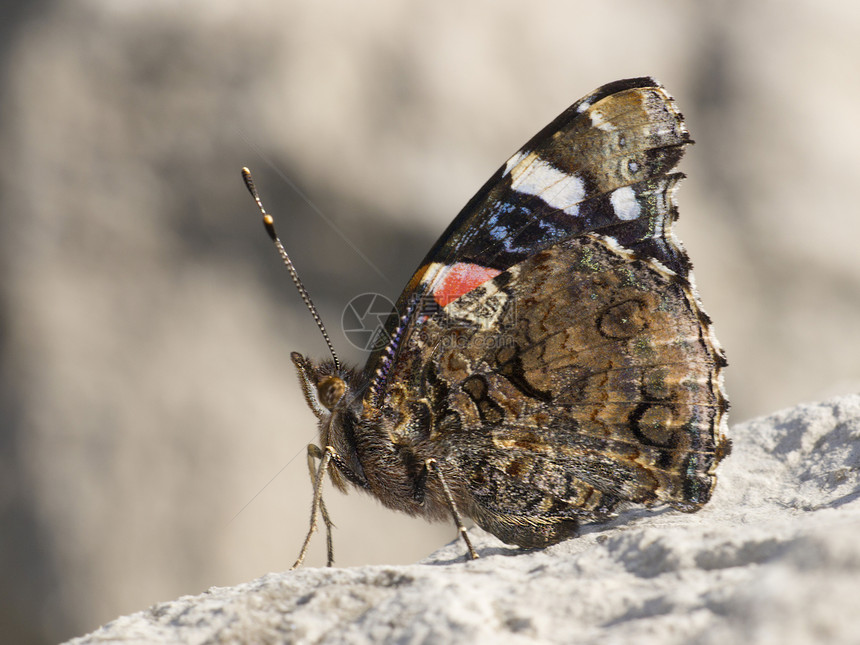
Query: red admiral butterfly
549, 362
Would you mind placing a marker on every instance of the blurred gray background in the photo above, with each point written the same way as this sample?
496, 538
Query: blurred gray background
146, 323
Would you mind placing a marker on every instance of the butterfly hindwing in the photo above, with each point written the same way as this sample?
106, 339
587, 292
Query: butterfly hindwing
575, 380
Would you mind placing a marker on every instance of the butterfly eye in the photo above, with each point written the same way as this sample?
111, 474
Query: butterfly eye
330, 390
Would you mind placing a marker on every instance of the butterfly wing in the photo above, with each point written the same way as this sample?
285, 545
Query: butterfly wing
576, 380
601, 165
606, 164
551, 350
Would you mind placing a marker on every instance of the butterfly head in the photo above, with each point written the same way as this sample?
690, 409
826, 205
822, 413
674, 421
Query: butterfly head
329, 389
325, 385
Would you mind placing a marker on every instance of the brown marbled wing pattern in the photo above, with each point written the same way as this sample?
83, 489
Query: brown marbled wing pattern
626, 134
579, 379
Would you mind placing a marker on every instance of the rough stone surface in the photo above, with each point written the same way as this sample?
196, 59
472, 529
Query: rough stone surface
774, 558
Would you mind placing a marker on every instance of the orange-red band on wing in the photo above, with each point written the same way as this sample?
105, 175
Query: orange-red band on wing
461, 278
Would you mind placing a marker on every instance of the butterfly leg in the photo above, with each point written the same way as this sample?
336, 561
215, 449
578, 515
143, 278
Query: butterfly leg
433, 467
335, 458
318, 506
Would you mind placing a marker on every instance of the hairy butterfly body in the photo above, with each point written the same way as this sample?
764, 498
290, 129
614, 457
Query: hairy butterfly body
549, 363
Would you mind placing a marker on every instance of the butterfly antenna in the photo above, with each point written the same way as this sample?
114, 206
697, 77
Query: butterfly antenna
269, 224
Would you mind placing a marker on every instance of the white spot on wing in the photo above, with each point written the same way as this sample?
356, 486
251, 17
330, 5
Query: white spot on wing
661, 268
534, 176
600, 122
624, 203
614, 245
515, 160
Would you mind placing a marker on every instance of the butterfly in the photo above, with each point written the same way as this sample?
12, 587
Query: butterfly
549, 363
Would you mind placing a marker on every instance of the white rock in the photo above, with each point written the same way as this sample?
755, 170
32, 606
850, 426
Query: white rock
774, 558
